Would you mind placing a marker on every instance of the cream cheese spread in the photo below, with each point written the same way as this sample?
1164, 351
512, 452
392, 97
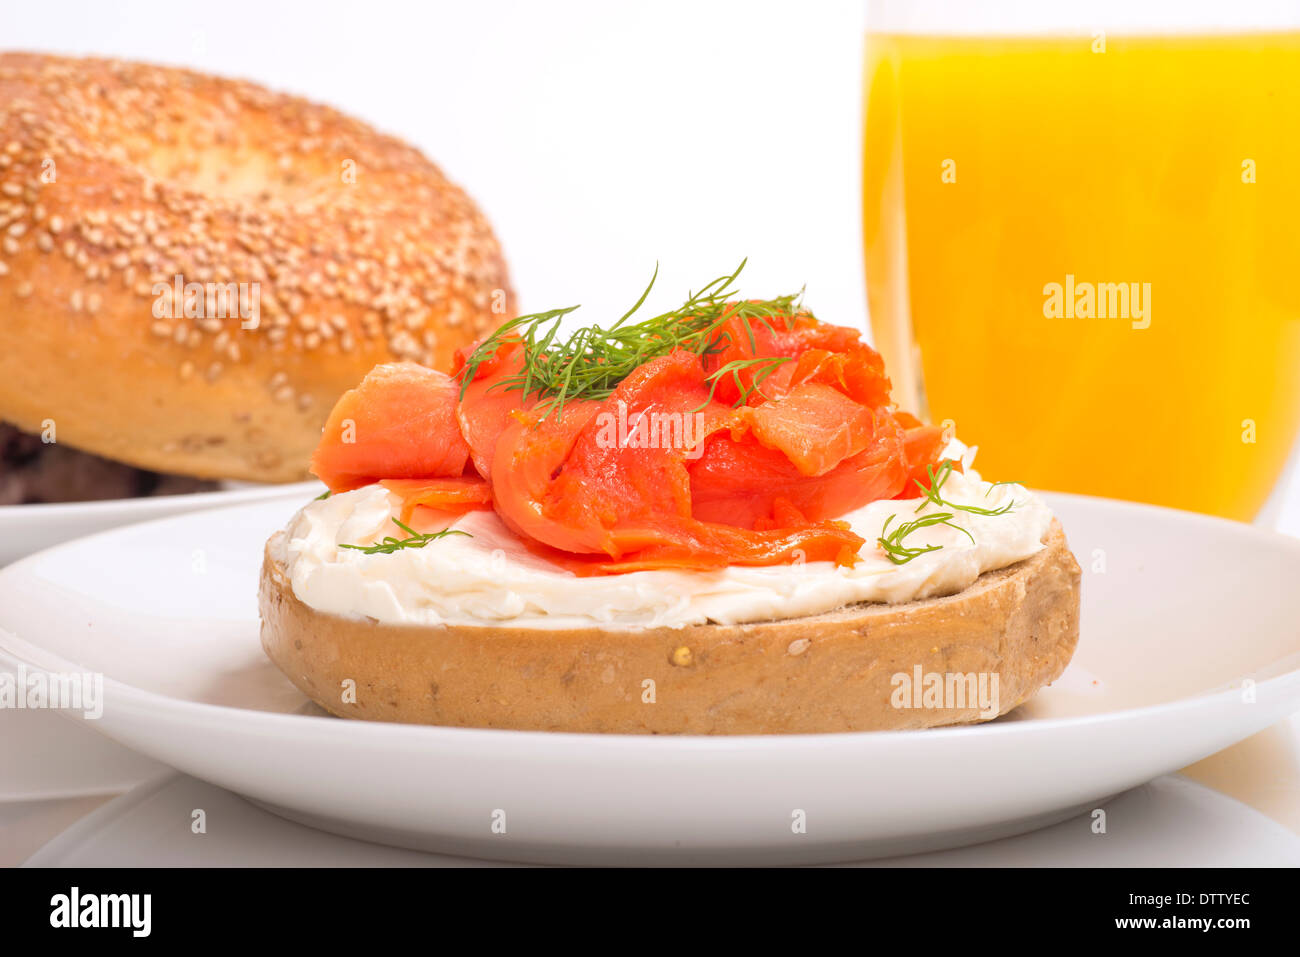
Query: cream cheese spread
490, 578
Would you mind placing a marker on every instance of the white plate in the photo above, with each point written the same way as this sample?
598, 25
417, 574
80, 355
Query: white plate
1148, 826
42, 755
46, 758
1179, 611
29, 528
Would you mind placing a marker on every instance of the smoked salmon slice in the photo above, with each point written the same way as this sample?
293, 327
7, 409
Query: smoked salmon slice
693, 459
814, 425
923, 446
815, 352
623, 496
486, 406
454, 495
741, 482
398, 423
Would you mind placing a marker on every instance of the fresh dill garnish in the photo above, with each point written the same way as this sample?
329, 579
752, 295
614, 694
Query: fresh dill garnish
891, 543
590, 362
993, 485
323, 495
765, 365
932, 497
415, 540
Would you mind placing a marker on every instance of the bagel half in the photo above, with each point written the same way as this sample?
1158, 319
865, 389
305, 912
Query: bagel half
116, 178
829, 672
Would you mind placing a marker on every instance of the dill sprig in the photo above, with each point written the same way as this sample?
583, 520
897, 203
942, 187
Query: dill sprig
415, 540
993, 485
590, 362
891, 543
322, 496
765, 365
932, 496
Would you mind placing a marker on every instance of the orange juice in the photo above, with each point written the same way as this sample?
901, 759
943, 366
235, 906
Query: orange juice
1089, 259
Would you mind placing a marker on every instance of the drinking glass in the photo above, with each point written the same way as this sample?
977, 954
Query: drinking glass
1082, 243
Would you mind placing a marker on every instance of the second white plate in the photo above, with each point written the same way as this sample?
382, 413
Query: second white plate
25, 529
1148, 826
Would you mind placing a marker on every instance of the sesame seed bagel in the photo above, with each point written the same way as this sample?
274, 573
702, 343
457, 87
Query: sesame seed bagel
193, 269
830, 672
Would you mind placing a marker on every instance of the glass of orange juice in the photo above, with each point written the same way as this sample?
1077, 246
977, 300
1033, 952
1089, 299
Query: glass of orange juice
1082, 239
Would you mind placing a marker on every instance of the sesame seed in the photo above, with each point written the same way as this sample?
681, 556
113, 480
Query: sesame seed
401, 242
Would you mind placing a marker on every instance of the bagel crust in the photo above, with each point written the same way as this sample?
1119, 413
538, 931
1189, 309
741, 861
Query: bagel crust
831, 672
116, 178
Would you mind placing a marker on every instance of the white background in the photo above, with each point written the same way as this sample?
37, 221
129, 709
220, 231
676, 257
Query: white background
598, 137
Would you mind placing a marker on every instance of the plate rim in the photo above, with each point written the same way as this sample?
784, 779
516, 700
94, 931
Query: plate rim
219, 498
146, 702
